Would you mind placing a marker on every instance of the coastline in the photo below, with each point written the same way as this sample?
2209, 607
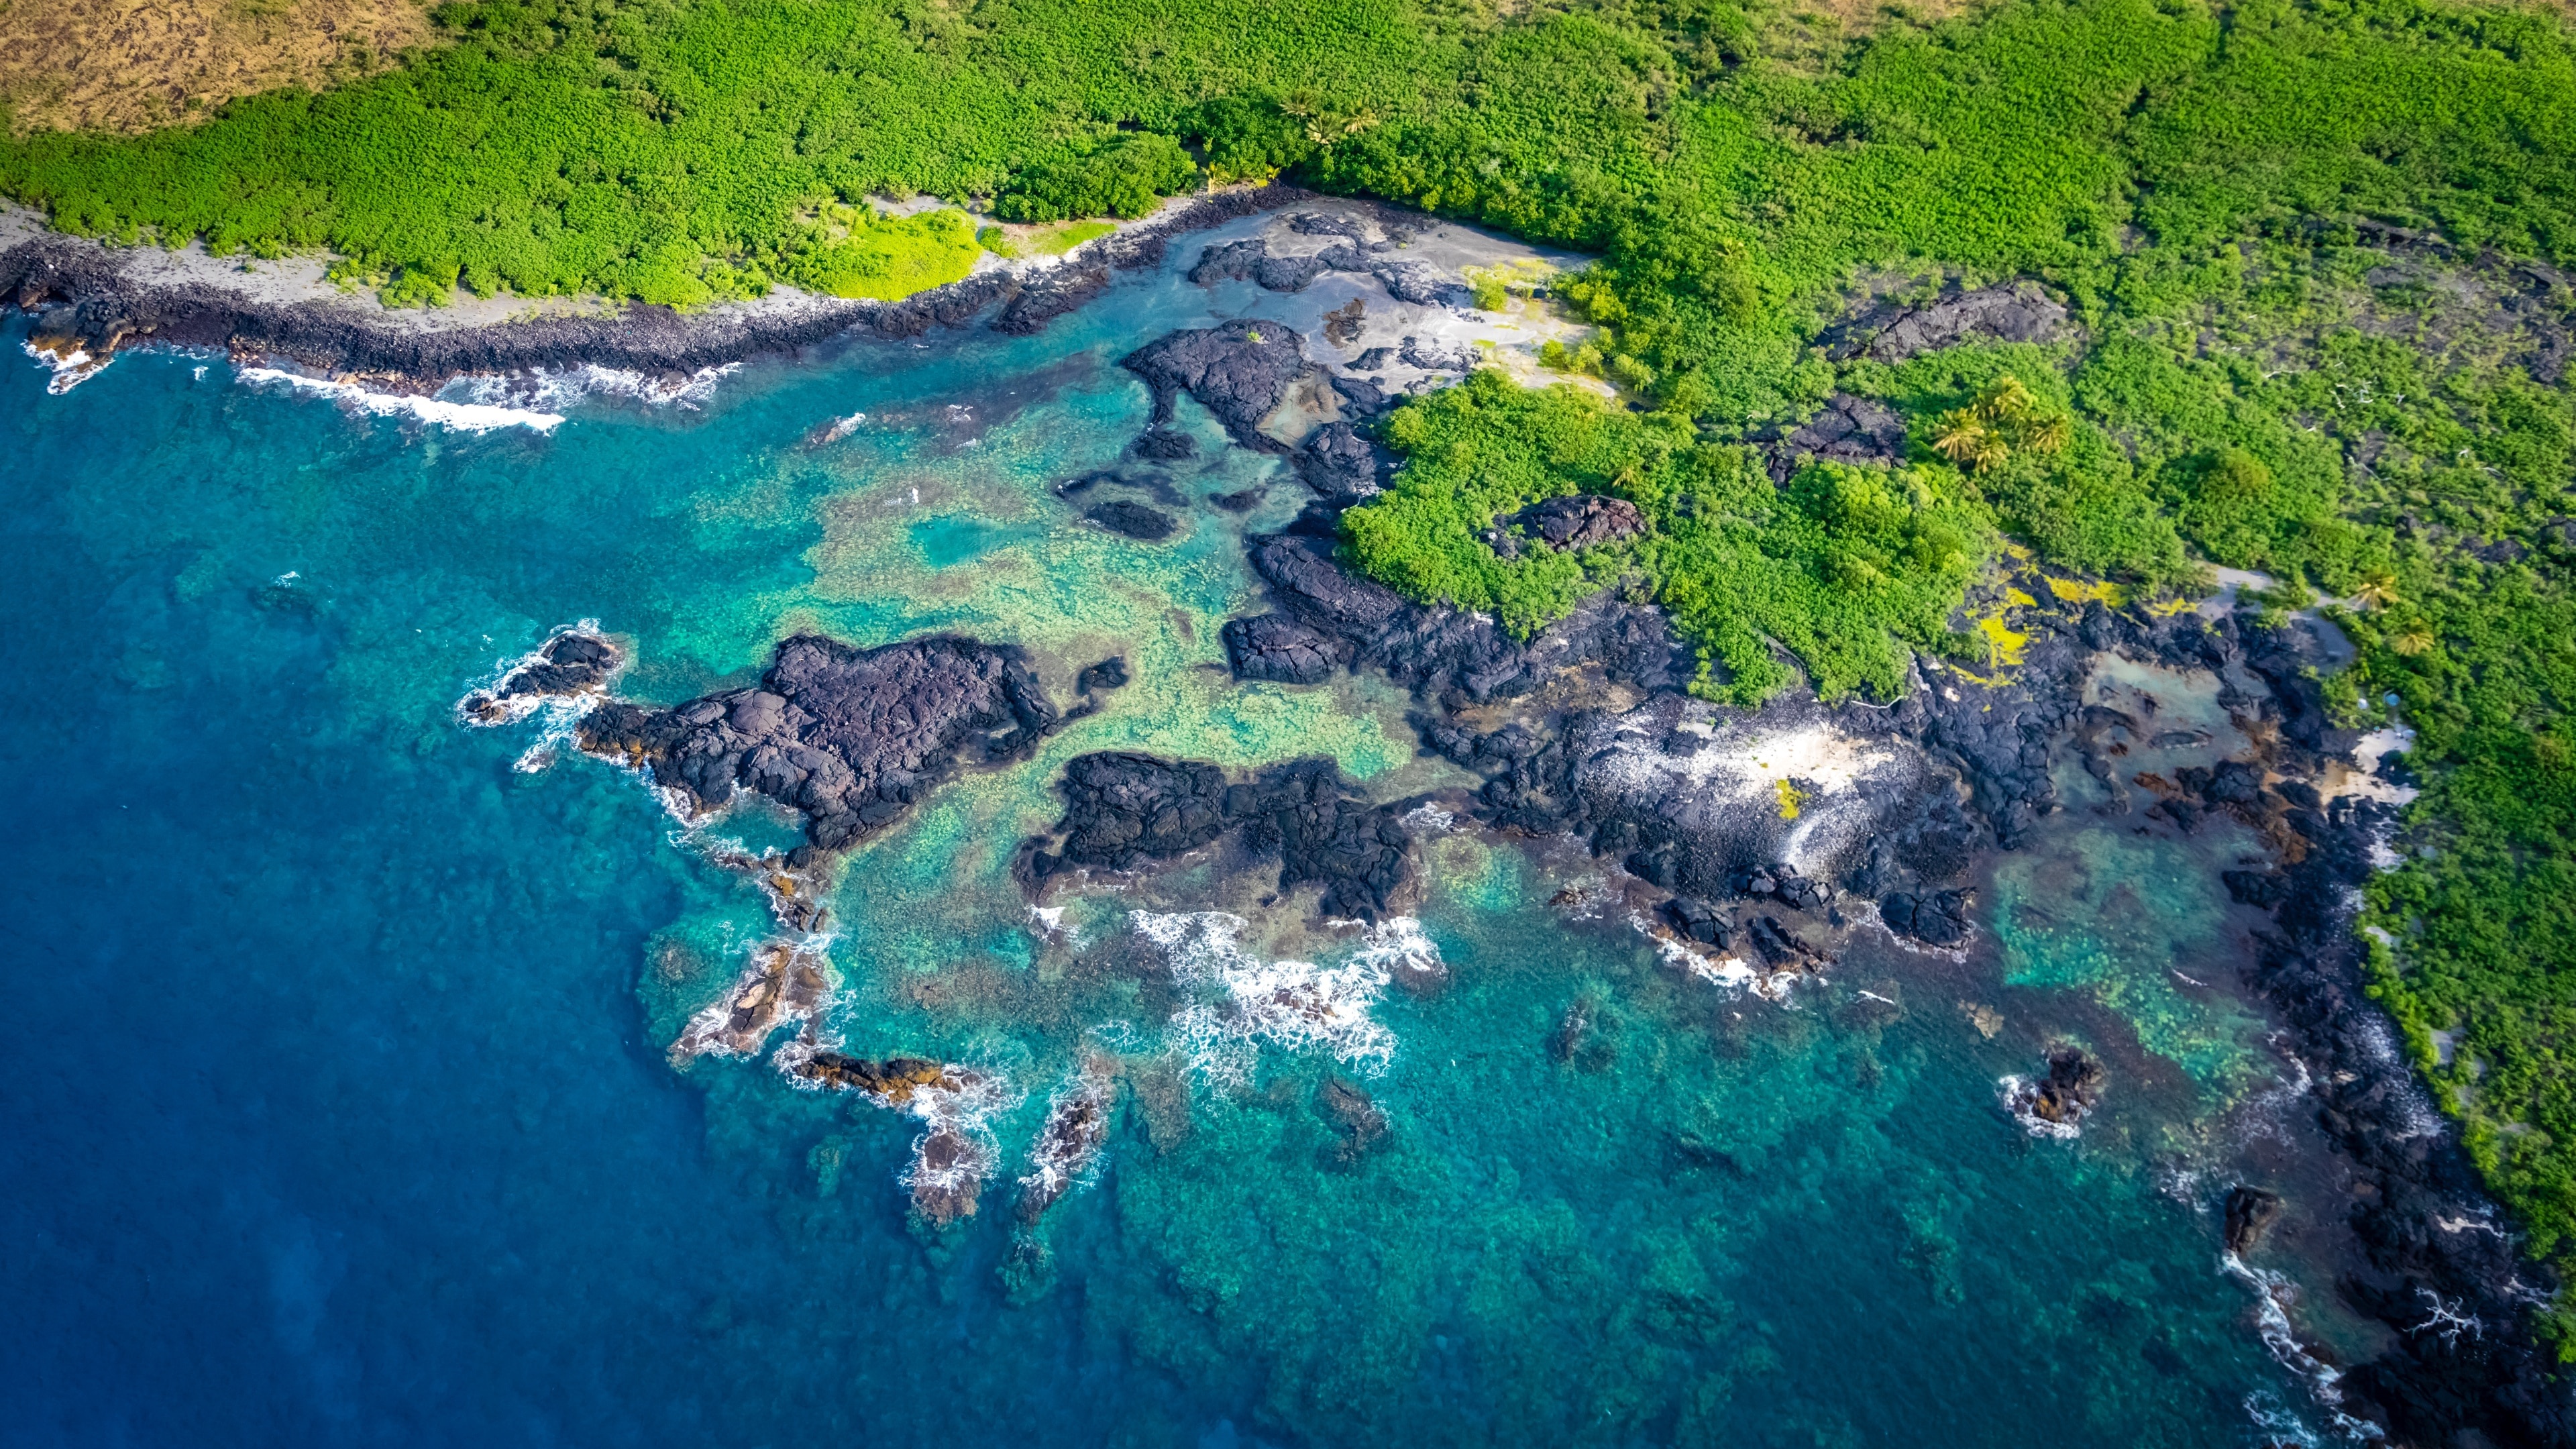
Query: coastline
87, 297
2423, 1222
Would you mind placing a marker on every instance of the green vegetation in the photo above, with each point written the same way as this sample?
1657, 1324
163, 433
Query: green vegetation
855, 252
1838, 567
1128, 177
2261, 379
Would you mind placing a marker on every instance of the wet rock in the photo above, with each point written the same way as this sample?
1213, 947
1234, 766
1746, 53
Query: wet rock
1354, 1115
1239, 371
2072, 1087
1123, 810
849, 738
1278, 648
1032, 305
1581, 520
1070, 1140
1376, 359
1937, 919
2250, 1211
1438, 357
783, 984
1108, 674
1316, 223
1782, 883
1699, 921
2262, 888
570, 664
1781, 950
1362, 397
892, 1080
1134, 520
1242, 500
2016, 312
1229, 261
1303, 576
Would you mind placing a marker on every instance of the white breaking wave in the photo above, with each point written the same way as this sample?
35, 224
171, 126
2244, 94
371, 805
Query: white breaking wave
463, 417
1237, 1001
553, 389
70, 364
2272, 1295
1729, 973
2020, 1097
1398, 947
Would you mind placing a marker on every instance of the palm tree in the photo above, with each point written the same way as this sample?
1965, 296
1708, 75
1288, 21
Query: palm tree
1966, 438
2414, 639
2377, 591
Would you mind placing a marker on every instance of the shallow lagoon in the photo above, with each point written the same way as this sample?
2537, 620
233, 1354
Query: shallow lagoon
352, 1122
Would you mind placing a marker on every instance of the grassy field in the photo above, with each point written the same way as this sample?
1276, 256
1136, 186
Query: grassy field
2259, 380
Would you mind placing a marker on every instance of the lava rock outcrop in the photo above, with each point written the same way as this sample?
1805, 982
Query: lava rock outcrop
850, 738
1127, 811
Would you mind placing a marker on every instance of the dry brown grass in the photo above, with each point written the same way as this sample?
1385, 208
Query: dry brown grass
131, 65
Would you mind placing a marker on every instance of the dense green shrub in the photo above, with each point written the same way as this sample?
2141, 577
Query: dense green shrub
1839, 570
1128, 176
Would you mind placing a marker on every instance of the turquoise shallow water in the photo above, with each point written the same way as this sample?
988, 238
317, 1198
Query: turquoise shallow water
340, 1105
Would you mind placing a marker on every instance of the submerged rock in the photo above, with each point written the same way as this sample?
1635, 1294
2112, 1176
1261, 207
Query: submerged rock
1108, 674
1133, 519
1165, 446
849, 738
1353, 1114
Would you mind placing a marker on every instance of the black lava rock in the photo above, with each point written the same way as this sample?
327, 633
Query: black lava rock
1938, 919
1699, 921
850, 738
1124, 810
1239, 372
1579, 520
1278, 648
1108, 674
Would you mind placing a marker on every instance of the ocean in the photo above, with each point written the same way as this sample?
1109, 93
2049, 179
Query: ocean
351, 1117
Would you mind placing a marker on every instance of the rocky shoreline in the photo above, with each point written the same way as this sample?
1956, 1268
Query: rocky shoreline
1587, 731
84, 297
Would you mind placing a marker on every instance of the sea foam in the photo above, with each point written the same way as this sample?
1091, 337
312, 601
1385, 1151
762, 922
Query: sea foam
1237, 1000
464, 417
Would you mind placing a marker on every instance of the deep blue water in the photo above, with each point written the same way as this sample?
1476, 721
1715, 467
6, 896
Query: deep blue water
339, 1108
